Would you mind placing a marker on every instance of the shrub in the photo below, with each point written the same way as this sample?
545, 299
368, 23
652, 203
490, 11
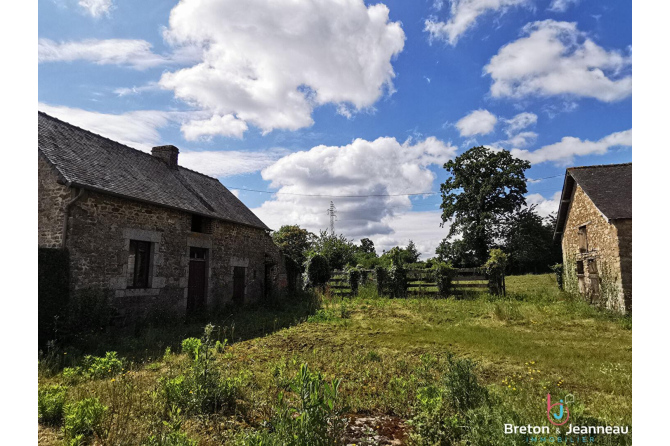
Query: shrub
381, 275
84, 418
315, 422
102, 367
463, 389
443, 274
432, 424
191, 346
317, 271
50, 404
354, 278
398, 280
558, 270
201, 389
495, 270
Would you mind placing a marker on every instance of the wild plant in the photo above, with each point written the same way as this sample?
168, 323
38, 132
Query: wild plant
50, 404
83, 420
314, 422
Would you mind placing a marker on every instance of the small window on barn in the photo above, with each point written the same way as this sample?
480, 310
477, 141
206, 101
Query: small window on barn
580, 268
583, 241
592, 266
201, 224
139, 263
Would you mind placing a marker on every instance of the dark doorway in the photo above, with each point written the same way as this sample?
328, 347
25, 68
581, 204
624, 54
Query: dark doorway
197, 279
238, 284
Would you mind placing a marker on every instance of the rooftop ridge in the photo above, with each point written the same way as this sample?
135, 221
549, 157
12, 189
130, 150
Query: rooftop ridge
125, 147
600, 166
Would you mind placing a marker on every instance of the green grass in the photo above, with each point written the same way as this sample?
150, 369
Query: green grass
534, 341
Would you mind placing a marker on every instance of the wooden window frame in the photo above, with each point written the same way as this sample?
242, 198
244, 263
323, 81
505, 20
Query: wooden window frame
140, 276
583, 239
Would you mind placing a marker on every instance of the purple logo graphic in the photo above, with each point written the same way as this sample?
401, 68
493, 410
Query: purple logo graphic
556, 417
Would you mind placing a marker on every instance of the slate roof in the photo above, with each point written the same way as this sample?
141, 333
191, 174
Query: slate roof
84, 159
609, 186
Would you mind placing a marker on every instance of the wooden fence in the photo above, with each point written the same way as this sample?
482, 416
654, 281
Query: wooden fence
420, 282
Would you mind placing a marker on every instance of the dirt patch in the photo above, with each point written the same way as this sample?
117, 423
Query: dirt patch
375, 430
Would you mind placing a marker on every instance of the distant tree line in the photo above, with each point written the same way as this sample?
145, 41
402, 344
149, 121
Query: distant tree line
483, 200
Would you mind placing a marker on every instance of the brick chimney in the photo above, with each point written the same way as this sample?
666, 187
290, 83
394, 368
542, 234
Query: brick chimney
168, 154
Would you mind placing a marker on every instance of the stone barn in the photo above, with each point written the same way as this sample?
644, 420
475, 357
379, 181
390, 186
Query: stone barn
595, 227
145, 231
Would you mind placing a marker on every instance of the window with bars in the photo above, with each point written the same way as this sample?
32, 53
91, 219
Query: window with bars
139, 263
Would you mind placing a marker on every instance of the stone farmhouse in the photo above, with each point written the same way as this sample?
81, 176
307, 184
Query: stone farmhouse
595, 227
146, 231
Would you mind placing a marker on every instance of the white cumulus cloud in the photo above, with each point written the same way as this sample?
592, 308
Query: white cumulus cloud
127, 52
564, 151
463, 16
477, 122
227, 125
555, 58
96, 8
561, 5
270, 64
519, 122
544, 206
224, 163
139, 130
382, 170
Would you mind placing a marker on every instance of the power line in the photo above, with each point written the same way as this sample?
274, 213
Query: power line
411, 194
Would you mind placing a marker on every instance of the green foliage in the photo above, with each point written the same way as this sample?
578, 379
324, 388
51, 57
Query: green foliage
397, 276
50, 404
558, 270
366, 246
294, 242
317, 271
463, 390
382, 280
400, 256
495, 268
441, 413
529, 241
483, 189
457, 253
201, 389
105, 367
83, 419
432, 423
314, 421
170, 439
337, 249
354, 279
95, 367
191, 346
443, 274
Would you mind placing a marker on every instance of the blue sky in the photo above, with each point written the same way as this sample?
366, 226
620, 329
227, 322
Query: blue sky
249, 90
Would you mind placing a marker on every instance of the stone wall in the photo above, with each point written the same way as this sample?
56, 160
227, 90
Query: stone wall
52, 198
603, 284
99, 234
625, 235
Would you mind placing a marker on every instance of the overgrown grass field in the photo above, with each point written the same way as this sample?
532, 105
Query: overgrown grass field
363, 370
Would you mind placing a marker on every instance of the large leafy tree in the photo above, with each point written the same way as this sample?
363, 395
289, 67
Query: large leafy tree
528, 240
457, 253
336, 248
294, 241
484, 188
367, 246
